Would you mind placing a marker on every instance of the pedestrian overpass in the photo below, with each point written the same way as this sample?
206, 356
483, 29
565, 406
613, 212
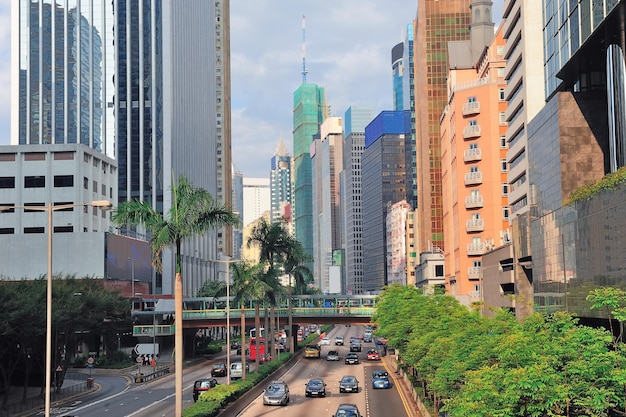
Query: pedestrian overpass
155, 316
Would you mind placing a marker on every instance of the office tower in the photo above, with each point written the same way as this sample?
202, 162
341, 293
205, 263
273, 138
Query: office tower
122, 77
356, 118
396, 228
237, 200
309, 111
474, 169
62, 74
383, 184
397, 69
437, 23
408, 96
280, 184
522, 31
326, 163
256, 199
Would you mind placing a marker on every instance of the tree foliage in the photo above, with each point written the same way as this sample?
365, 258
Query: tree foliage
473, 366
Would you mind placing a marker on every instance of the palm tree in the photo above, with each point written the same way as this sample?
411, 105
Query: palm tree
194, 212
245, 286
295, 265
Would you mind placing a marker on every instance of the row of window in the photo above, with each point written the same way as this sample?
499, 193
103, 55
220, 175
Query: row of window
59, 181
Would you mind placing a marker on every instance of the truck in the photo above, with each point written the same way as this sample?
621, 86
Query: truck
312, 351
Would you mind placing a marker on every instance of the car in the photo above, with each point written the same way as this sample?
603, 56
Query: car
312, 351
236, 370
332, 355
347, 410
373, 355
325, 341
218, 369
315, 388
360, 336
367, 338
355, 347
338, 340
380, 380
349, 383
276, 393
202, 385
352, 359
235, 346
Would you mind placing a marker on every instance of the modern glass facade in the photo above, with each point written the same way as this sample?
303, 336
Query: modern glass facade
64, 73
397, 68
280, 182
309, 111
383, 184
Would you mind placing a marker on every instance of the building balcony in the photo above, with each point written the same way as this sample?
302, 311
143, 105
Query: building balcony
474, 178
474, 201
474, 272
471, 108
474, 225
472, 155
471, 132
475, 249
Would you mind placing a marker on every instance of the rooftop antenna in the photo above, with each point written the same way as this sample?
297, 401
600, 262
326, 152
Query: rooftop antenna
304, 69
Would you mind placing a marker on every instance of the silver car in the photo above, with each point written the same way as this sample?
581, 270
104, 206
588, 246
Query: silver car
276, 393
332, 355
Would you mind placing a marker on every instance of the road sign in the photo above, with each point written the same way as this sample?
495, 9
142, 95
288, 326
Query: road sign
90, 361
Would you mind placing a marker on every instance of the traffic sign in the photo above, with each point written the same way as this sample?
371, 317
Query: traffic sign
90, 361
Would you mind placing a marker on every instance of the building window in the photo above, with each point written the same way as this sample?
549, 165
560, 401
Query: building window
29, 230
63, 180
506, 213
34, 182
63, 229
27, 210
501, 94
64, 203
7, 231
502, 118
438, 270
7, 182
471, 99
505, 188
503, 165
85, 183
503, 142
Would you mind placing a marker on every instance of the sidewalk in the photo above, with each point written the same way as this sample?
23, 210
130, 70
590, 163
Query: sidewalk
405, 389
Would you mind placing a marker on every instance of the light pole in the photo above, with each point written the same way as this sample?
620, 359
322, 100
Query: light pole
50, 208
228, 262
132, 281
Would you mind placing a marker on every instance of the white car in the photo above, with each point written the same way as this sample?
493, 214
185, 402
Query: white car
325, 341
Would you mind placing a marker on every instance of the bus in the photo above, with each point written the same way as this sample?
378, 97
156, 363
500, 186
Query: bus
253, 333
253, 352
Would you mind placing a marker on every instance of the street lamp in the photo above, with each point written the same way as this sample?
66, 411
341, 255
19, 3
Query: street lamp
228, 262
132, 281
50, 208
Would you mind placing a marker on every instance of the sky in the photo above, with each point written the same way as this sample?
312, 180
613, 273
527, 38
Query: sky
348, 52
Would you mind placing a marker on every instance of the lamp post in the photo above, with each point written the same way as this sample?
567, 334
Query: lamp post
228, 262
132, 281
50, 208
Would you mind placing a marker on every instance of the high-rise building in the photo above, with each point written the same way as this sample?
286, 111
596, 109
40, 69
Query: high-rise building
326, 163
397, 69
237, 205
122, 77
408, 95
383, 184
281, 186
256, 199
437, 23
309, 111
356, 118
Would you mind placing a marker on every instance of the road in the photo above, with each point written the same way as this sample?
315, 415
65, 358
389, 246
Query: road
153, 399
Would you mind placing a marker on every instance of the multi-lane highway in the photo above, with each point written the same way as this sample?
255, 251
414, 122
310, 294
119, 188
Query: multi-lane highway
157, 398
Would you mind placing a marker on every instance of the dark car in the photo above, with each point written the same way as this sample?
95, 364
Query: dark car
235, 346
355, 346
219, 369
315, 388
202, 385
352, 359
380, 380
276, 393
347, 410
349, 383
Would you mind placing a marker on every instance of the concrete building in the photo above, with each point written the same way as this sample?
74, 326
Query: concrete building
123, 78
429, 273
256, 199
383, 183
396, 227
237, 205
326, 162
281, 186
309, 111
38, 175
356, 118
474, 167
437, 23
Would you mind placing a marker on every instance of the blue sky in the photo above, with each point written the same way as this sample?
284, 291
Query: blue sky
348, 51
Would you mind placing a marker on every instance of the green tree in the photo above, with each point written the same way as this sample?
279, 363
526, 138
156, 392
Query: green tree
193, 213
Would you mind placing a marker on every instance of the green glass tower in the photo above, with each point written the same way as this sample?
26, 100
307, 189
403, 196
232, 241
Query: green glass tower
309, 111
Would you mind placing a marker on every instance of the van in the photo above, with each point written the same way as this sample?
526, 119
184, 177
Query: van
236, 370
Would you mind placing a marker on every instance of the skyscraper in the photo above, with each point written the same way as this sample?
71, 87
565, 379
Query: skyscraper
309, 111
122, 77
437, 23
280, 183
